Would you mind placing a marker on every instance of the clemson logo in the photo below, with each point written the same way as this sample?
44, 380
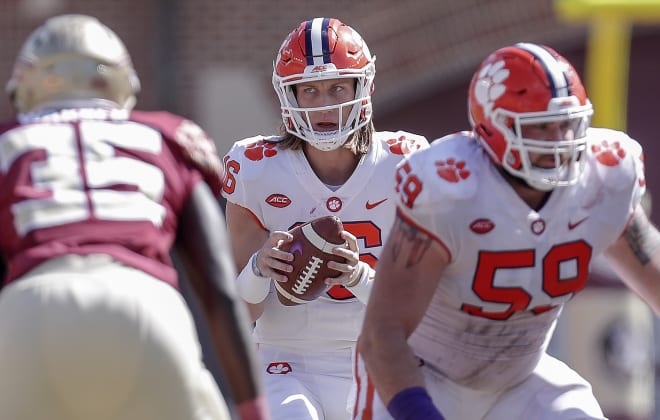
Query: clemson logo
489, 86
452, 170
279, 368
259, 150
402, 145
334, 204
609, 154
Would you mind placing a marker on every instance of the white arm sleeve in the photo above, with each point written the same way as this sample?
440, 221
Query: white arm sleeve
362, 289
251, 287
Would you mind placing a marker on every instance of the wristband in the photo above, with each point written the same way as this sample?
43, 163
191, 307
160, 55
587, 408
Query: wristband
413, 403
356, 274
254, 409
362, 288
255, 267
251, 287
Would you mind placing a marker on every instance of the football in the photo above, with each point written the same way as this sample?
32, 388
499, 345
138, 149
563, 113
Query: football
312, 249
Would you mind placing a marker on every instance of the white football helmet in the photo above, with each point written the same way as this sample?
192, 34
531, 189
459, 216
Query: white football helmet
322, 49
69, 58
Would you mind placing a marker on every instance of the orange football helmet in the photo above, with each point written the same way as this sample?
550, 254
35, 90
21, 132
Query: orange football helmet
321, 49
528, 84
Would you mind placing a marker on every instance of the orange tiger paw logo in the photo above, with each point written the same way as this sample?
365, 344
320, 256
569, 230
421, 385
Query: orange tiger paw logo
608, 154
402, 145
259, 150
452, 170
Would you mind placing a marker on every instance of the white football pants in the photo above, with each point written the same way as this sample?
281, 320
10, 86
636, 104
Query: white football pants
552, 392
85, 338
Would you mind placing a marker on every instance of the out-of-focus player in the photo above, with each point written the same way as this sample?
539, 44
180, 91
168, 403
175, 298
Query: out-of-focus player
497, 228
93, 196
328, 160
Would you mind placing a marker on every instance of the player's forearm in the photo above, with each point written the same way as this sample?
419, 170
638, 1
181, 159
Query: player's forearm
636, 259
391, 364
235, 349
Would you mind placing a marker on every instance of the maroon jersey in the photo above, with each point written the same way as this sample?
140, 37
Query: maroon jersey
85, 181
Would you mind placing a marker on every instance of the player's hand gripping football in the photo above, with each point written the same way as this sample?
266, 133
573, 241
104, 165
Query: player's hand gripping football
351, 269
309, 259
271, 261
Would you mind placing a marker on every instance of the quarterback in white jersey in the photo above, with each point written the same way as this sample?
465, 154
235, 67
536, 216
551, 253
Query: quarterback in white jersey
279, 187
330, 161
496, 229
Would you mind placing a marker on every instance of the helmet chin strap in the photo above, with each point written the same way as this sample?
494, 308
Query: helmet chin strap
317, 139
548, 186
520, 181
541, 186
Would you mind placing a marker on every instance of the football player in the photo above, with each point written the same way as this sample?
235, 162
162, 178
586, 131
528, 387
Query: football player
496, 229
93, 196
328, 160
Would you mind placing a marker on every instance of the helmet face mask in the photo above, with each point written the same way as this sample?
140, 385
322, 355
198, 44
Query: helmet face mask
324, 49
525, 87
72, 58
566, 152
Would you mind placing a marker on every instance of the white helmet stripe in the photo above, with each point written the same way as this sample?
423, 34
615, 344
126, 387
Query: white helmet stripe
553, 69
318, 40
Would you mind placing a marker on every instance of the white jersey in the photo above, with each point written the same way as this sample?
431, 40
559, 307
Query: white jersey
511, 268
280, 188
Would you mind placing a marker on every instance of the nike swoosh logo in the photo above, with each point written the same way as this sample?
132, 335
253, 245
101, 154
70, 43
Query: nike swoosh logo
572, 226
370, 206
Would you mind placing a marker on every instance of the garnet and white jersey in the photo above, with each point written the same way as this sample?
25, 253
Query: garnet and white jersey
95, 180
280, 188
511, 268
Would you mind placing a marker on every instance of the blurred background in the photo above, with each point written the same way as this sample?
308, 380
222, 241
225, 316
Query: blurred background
211, 61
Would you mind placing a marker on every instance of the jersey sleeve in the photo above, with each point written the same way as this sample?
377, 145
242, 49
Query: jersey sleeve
431, 186
618, 162
246, 168
192, 143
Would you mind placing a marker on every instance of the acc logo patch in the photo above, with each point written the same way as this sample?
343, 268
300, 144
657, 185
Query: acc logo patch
482, 226
278, 200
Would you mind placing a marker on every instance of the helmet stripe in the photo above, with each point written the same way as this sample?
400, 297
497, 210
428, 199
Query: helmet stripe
554, 70
317, 45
